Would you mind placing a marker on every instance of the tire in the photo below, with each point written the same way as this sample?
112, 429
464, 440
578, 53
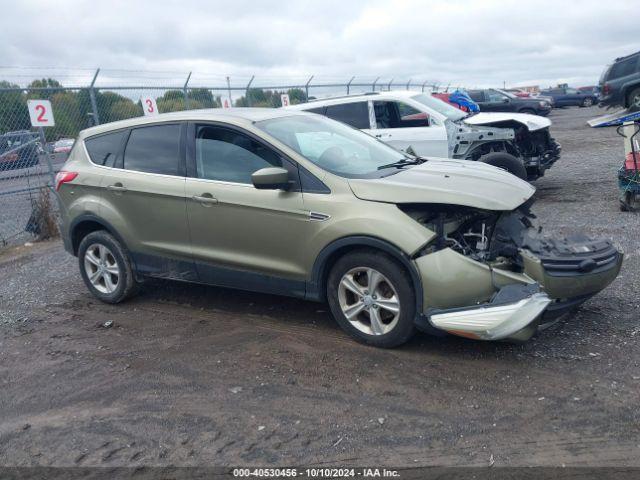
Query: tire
507, 162
587, 102
352, 273
530, 111
634, 100
101, 254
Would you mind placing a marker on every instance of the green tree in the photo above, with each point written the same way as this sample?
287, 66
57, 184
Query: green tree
14, 114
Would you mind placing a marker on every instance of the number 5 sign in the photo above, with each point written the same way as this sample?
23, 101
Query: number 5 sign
284, 99
149, 106
40, 113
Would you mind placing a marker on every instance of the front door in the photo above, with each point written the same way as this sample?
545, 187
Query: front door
497, 102
243, 237
403, 126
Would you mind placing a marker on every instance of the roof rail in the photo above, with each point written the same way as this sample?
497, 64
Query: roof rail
342, 96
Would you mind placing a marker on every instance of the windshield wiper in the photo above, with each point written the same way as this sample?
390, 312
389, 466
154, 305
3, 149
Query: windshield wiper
403, 163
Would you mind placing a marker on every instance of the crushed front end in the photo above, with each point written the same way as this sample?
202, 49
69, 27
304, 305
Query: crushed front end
493, 275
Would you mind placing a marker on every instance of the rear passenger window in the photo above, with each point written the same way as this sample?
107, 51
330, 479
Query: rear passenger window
104, 148
354, 114
154, 149
477, 95
398, 115
624, 68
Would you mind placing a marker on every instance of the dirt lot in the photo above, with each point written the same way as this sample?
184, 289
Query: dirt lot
192, 375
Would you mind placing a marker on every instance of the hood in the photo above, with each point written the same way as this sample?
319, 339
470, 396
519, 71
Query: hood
532, 122
454, 182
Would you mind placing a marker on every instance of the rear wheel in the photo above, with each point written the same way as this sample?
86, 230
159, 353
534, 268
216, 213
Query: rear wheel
634, 100
507, 162
527, 110
587, 102
371, 297
106, 268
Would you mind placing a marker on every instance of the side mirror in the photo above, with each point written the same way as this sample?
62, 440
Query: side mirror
271, 178
505, 100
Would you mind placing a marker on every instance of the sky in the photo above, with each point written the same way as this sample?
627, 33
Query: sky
469, 43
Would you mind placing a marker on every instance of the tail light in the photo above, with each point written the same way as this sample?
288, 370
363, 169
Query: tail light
64, 177
606, 89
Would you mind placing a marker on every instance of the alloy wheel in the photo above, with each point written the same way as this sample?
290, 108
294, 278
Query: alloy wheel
101, 268
369, 301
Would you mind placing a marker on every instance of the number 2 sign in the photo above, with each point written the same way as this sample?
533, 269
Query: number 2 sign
40, 113
149, 106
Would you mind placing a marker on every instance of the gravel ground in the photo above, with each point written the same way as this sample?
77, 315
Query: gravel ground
194, 375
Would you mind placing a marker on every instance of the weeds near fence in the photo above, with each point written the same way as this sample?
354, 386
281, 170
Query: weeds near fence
43, 222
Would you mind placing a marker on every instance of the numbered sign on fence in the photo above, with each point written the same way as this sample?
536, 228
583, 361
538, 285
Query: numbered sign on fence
284, 99
40, 113
149, 106
226, 103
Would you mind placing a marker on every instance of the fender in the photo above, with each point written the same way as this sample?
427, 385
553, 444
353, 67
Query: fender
320, 269
88, 217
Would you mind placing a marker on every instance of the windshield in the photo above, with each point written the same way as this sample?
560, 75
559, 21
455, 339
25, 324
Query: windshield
449, 111
333, 146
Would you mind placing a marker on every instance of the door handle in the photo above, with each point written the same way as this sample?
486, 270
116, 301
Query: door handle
206, 199
118, 187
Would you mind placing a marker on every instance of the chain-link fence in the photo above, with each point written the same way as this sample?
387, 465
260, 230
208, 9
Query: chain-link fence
82, 98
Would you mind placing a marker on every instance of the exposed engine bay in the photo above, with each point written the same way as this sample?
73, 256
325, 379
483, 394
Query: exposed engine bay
537, 149
505, 239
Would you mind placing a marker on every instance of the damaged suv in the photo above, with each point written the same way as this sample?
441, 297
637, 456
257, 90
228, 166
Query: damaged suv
517, 142
297, 204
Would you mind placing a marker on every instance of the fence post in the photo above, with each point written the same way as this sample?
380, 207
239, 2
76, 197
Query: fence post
389, 85
408, 84
306, 87
186, 93
349, 84
373, 87
229, 90
246, 91
423, 84
92, 97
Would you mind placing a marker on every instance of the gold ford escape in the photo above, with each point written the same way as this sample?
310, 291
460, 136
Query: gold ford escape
297, 204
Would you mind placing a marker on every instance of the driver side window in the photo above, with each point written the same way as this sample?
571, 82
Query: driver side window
495, 96
398, 115
229, 156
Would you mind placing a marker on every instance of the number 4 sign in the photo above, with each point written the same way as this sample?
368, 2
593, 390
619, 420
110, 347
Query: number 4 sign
149, 106
40, 113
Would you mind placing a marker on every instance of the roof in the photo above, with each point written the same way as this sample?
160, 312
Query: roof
230, 115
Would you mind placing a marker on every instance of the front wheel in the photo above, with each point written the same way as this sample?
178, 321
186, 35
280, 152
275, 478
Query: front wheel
507, 162
372, 298
587, 102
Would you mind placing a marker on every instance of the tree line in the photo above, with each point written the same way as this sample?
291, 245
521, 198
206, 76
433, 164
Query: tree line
72, 109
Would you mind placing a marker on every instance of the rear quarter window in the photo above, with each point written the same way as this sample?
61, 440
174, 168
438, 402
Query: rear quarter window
624, 68
103, 149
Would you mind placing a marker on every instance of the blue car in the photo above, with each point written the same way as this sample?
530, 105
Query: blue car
566, 97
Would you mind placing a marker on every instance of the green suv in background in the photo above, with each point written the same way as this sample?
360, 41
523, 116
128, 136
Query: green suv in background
297, 204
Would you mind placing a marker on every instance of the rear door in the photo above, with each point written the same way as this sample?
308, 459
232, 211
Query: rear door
144, 199
402, 126
241, 236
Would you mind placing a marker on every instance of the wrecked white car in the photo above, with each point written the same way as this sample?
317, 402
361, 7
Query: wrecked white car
517, 142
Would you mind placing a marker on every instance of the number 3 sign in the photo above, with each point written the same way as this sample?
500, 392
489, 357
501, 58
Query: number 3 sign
149, 106
40, 113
